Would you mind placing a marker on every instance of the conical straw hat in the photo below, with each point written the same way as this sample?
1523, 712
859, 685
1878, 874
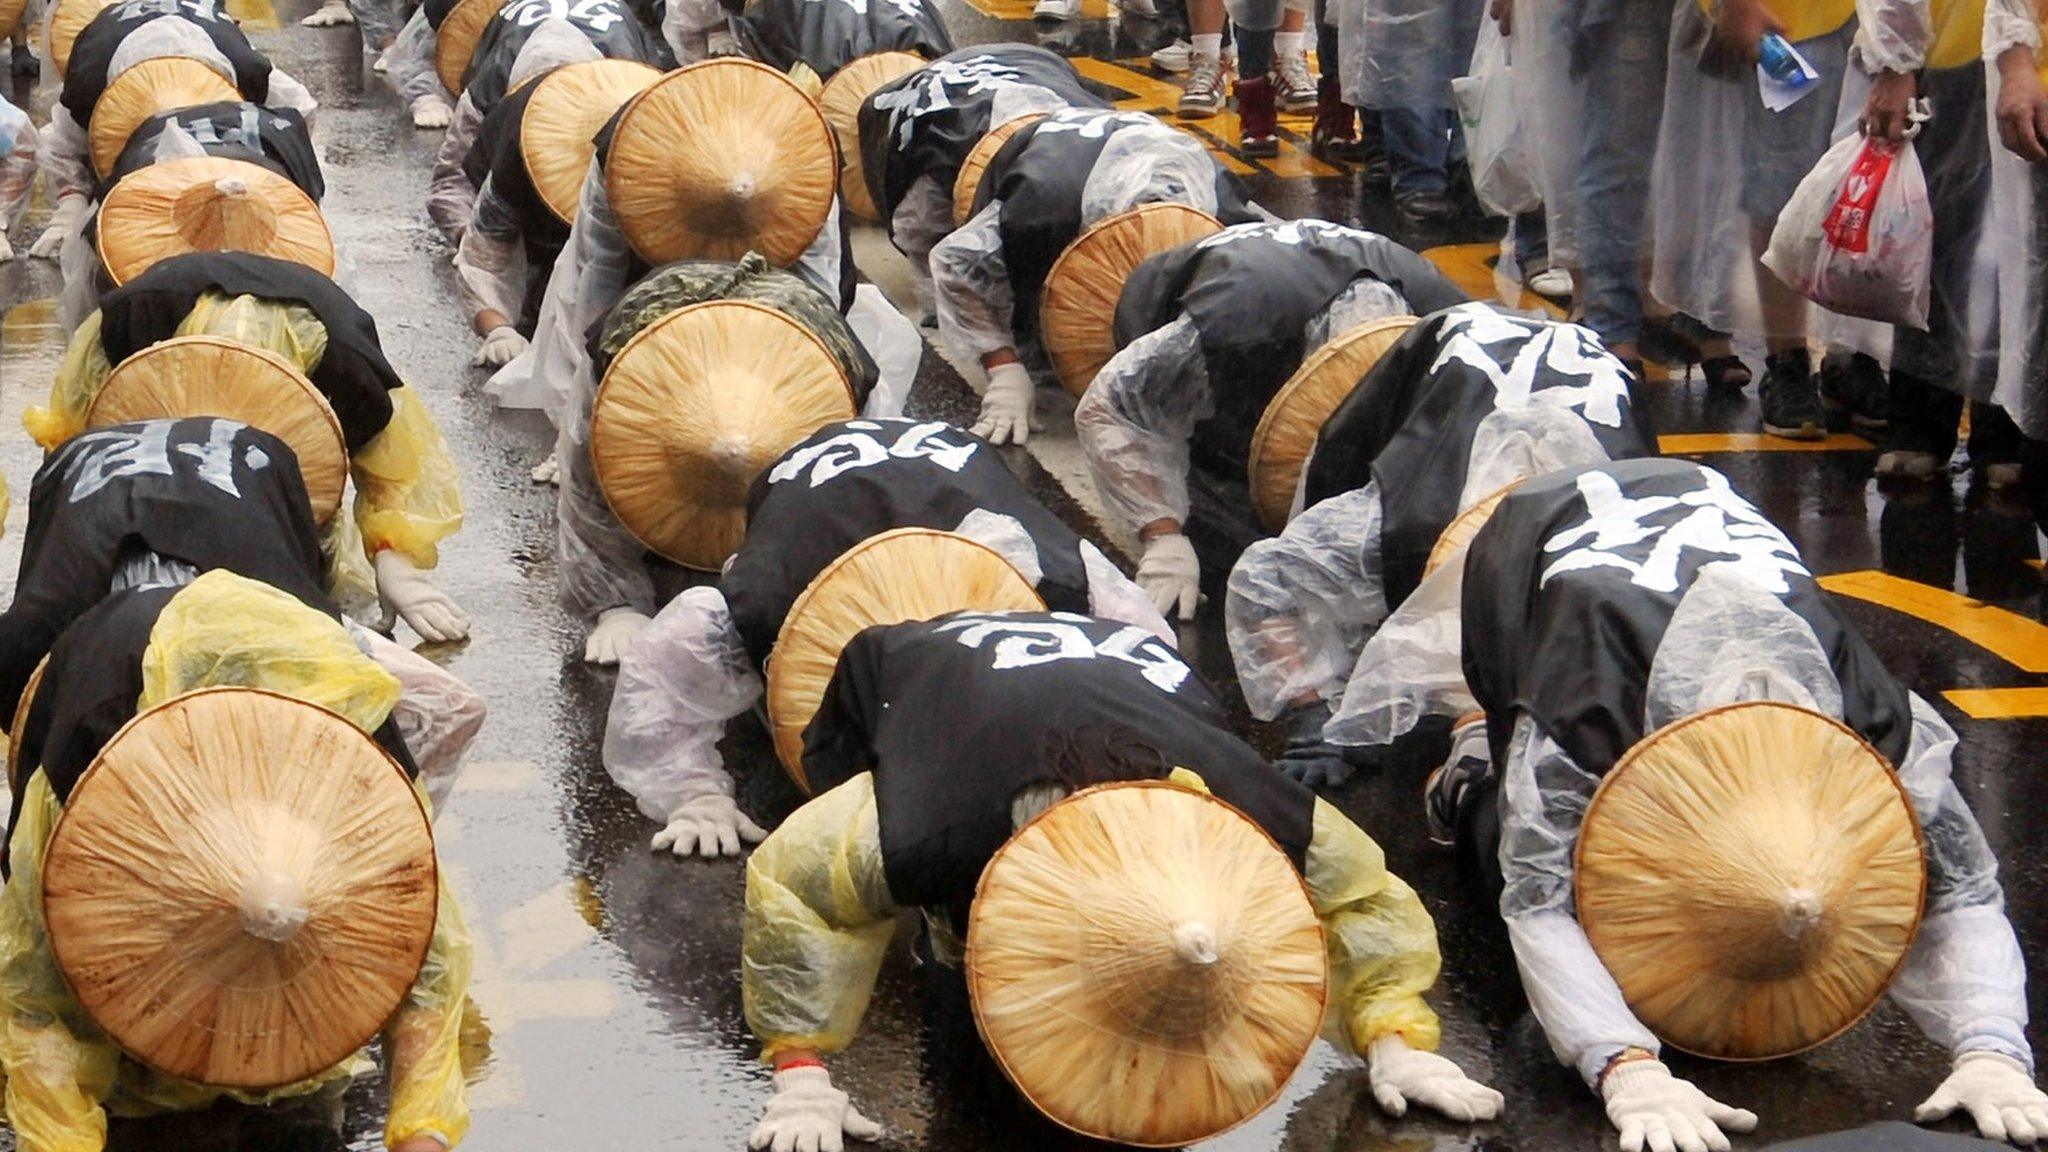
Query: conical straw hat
1078, 314
557, 135
1145, 965
1753, 877
160, 85
720, 159
242, 889
214, 376
897, 576
693, 408
1458, 534
69, 19
967, 184
1286, 434
16, 777
841, 102
208, 204
10, 12
456, 40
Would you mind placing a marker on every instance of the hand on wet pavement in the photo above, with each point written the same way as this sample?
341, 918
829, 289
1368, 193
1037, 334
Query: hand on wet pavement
1999, 1095
708, 826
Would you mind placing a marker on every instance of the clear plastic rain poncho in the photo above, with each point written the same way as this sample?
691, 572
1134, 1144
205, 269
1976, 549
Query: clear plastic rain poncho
1730, 640
1302, 605
1145, 163
64, 1076
407, 496
1551, 103
2019, 229
687, 26
820, 917
1136, 420
452, 199
687, 674
1726, 166
409, 63
1403, 53
18, 141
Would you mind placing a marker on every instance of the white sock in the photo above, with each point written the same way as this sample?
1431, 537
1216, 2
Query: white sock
1289, 43
1209, 44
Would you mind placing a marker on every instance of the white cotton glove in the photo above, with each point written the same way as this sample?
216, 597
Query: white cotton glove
1402, 1076
616, 629
708, 826
404, 590
548, 471
65, 221
721, 42
1998, 1094
807, 1114
501, 347
1657, 1111
1006, 407
431, 111
332, 14
1171, 576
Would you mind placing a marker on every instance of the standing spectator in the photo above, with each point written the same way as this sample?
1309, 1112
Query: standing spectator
1399, 58
2013, 31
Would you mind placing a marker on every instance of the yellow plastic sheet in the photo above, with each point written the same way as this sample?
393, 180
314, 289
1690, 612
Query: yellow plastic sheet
407, 495
63, 1075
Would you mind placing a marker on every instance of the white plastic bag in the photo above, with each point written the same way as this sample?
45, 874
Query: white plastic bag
1858, 236
1504, 173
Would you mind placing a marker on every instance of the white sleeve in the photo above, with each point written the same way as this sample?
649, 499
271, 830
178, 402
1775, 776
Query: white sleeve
1302, 604
65, 157
438, 715
1115, 596
451, 198
18, 169
1543, 799
1136, 419
971, 287
1411, 668
287, 92
1894, 35
686, 23
922, 219
679, 682
2010, 24
819, 263
410, 63
490, 262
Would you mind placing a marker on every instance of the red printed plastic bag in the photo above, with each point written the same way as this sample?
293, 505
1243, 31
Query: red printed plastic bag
1858, 235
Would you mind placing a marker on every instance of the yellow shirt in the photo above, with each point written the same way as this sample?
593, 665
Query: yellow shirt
1958, 33
1803, 19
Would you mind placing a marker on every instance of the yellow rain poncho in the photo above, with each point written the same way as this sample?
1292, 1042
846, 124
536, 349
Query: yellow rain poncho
407, 496
819, 920
64, 1077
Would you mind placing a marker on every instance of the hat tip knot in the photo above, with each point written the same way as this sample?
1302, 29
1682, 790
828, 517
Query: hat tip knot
733, 455
233, 187
1799, 912
1195, 943
273, 907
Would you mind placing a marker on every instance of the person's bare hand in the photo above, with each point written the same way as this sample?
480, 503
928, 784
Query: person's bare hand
1740, 26
1885, 112
2022, 107
1503, 12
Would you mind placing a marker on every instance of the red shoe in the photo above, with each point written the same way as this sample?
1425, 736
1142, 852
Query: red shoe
1258, 119
1336, 132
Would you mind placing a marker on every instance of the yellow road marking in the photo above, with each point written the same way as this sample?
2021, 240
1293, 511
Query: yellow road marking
2013, 638
1471, 267
1144, 92
253, 15
1706, 443
1021, 9
1999, 703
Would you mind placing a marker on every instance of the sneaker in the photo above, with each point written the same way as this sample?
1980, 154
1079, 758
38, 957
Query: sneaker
1855, 393
1551, 282
1444, 794
1060, 11
1902, 464
1294, 87
24, 65
1336, 132
1203, 96
1258, 124
1425, 209
1174, 57
1791, 402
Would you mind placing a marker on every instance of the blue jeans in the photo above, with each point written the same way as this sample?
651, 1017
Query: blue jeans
1624, 103
1421, 145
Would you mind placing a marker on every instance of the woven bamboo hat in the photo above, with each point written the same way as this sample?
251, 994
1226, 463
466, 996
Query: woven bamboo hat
208, 204
16, 776
719, 159
841, 102
215, 376
242, 888
557, 134
693, 408
456, 40
901, 575
1458, 534
1078, 314
1144, 963
153, 86
67, 20
967, 185
1753, 877
1287, 433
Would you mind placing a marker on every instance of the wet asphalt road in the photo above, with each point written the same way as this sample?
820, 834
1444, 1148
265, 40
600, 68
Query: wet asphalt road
607, 1011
